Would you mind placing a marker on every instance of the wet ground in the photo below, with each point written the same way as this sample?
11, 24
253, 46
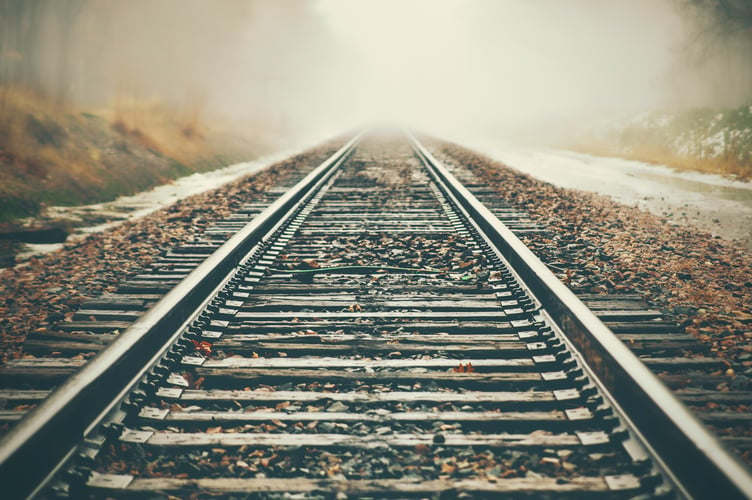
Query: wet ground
714, 203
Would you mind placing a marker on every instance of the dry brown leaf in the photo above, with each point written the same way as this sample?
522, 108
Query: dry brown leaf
308, 264
448, 468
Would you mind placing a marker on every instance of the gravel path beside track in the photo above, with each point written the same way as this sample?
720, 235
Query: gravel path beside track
50, 288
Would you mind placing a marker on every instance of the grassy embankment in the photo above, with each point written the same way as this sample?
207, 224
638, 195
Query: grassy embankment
706, 140
52, 154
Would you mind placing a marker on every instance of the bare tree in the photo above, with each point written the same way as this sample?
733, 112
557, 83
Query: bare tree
20, 24
36, 43
722, 45
725, 17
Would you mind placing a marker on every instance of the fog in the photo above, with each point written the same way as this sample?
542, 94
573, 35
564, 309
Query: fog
524, 69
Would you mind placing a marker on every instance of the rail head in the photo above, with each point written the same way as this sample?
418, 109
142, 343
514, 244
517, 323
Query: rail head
697, 460
33, 450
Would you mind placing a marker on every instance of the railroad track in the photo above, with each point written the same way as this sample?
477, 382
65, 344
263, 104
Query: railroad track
374, 332
707, 384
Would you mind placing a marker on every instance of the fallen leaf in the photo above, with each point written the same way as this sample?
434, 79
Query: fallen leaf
463, 369
203, 346
422, 449
448, 468
308, 264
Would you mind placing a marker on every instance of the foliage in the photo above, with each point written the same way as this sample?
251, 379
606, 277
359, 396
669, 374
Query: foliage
703, 134
711, 140
58, 155
723, 17
34, 52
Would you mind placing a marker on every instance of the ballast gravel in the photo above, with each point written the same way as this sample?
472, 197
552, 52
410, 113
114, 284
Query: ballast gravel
704, 282
48, 289
701, 281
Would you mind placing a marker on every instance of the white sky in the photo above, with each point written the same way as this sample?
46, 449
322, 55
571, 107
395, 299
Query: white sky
503, 61
515, 67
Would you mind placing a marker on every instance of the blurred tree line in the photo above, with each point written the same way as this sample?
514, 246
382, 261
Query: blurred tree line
725, 18
721, 47
64, 47
35, 44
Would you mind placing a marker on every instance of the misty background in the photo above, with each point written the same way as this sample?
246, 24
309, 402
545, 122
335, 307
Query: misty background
522, 69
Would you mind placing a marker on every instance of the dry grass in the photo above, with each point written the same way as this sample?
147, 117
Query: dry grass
717, 141
52, 153
179, 133
660, 156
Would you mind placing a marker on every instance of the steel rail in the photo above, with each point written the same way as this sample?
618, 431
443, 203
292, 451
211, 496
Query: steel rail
35, 448
697, 459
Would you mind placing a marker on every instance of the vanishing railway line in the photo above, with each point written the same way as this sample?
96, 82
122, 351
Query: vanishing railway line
374, 332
